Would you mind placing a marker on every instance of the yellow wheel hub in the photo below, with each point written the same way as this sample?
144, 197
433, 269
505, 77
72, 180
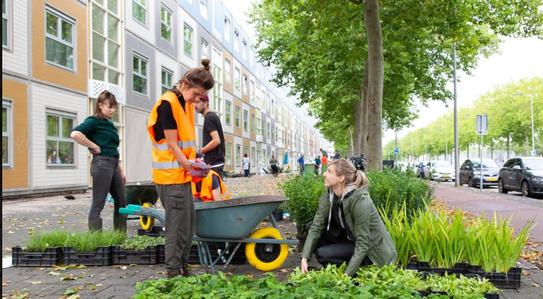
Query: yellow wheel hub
146, 222
266, 257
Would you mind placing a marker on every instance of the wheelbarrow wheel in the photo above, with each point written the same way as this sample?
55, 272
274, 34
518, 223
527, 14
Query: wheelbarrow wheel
146, 222
266, 257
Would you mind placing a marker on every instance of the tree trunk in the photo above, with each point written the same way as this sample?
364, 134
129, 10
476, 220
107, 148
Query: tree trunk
375, 84
361, 118
351, 143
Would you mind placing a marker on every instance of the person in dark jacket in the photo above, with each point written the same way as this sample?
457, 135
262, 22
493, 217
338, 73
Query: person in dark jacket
347, 226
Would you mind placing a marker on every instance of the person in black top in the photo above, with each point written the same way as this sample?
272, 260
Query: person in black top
213, 136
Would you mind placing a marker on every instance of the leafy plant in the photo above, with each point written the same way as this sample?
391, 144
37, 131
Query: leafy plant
303, 193
141, 242
399, 229
460, 287
90, 241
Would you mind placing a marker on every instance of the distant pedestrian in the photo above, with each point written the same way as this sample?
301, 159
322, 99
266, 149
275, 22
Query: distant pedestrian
317, 165
213, 144
100, 136
301, 163
246, 165
273, 165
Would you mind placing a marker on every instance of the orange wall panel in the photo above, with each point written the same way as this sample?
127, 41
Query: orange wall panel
17, 175
42, 70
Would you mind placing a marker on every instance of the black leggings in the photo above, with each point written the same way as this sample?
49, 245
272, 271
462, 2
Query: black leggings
336, 253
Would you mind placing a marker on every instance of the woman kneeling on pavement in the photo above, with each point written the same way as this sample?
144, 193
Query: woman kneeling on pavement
347, 226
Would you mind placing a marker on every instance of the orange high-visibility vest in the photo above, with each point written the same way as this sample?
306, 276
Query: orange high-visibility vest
206, 193
166, 169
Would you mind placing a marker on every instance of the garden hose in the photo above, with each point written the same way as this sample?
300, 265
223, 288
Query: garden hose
147, 222
266, 257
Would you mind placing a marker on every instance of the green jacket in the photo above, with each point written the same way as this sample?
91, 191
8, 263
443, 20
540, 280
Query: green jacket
361, 216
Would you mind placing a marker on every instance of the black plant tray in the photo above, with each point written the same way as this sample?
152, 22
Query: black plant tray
120, 256
509, 280
429, 293
155, 231
100, 257
193, 257
49, 257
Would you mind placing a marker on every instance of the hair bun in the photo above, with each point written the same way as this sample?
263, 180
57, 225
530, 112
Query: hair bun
205, 63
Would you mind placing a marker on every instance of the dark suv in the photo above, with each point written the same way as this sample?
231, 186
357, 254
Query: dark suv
522, 174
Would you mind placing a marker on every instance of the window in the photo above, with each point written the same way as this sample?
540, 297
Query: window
253, 127
252, 91
237, 80
205, 48
217, 88
187, 37
59, 145
228, 112
237, 113
139, 11
246, 151
227, 71
139, 73
166, 23
59, 36
244, 50
259, 126
105, 42
253, 155
268, 131
203, 8
244, 85
5, 25
6, 133
238, 155
228, 154
166, 79
227, 26
236, 40
245, 120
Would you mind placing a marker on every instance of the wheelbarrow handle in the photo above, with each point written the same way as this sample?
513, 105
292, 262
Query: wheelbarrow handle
142, 211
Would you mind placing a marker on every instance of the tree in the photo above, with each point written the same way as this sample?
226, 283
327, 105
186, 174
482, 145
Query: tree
320, 50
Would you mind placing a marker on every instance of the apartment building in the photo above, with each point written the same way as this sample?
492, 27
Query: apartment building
58, 55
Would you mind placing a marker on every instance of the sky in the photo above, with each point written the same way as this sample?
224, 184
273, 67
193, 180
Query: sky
516, 59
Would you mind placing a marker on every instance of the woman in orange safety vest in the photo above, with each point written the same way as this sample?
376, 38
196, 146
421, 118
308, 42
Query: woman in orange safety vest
209, 188
171, 131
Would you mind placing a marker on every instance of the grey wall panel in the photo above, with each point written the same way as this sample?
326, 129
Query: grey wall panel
138, 146
134, 44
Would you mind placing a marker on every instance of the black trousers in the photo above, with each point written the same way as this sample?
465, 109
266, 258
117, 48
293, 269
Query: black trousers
336, 252
106, 177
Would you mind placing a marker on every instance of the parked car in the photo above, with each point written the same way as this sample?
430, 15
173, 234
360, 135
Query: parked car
522, 174
441, 171
470, 172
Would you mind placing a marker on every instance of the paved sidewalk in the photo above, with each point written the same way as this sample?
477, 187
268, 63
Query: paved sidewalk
23, 216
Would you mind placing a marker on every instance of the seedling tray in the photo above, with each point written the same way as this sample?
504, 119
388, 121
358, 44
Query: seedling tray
155, 231
148, 256
49, 257
238, 259
100, 257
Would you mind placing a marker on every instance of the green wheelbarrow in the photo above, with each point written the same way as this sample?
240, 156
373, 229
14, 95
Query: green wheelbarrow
234, 222
145, 195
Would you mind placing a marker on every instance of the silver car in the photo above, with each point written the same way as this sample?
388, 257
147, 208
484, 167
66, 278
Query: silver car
441, 171
470, 172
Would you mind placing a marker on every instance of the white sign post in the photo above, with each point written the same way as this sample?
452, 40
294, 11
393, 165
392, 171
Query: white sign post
481, 122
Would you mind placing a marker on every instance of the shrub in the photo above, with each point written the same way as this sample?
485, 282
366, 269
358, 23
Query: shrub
303, 193
389, 189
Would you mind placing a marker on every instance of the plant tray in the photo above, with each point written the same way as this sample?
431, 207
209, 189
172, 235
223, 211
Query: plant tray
122, 256
193, 257
238, 259
430, 293
155, 231
49, 257
100, 257
509, 280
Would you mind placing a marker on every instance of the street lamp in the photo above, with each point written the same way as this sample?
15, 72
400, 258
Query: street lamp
532, 113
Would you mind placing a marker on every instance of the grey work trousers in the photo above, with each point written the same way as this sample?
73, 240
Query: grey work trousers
178, 203
106, 177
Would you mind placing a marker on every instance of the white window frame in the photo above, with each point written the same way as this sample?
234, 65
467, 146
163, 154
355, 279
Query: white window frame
203, 8
237, 79
7, 16
226, 28
108, 40
6, 103
61, 115
227, 71
237, 116
204, 44
246, 120
228, 153
244, 83
228, 112
166, 85
236, 40
144, 6
244, 50
164, 23
237, 154
189, 41
139, 74
60, 17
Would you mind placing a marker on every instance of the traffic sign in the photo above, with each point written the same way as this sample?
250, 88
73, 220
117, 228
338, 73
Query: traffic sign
481, 122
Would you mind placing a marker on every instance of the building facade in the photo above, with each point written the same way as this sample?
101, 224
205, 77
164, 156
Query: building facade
59, 55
